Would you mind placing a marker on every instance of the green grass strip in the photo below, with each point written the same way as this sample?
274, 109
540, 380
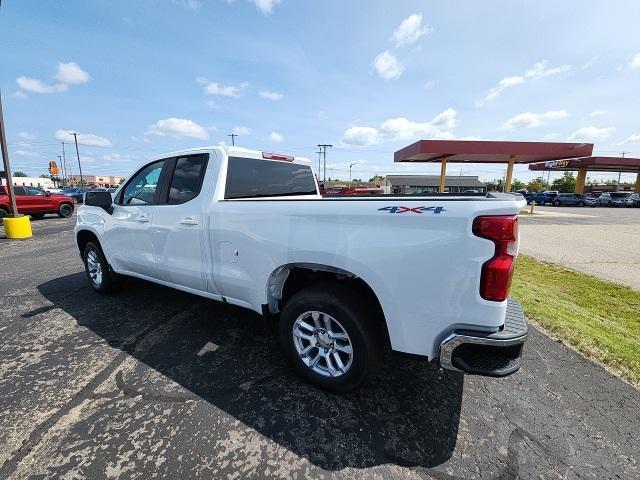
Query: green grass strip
598, 318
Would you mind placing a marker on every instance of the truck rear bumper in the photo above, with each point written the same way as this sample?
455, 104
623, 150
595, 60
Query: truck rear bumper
491, 354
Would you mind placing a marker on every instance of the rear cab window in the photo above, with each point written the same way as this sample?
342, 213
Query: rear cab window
255, 178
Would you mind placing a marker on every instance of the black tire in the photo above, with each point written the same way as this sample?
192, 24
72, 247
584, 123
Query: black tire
347, 308
109, 280
37, 216
556, 203
581, 204
541, 202
65, 210
3, 213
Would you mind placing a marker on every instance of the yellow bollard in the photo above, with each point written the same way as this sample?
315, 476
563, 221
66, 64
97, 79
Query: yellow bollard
533, 204
17, 227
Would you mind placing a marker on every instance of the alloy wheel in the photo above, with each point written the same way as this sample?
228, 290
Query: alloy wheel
95, 268
322, 344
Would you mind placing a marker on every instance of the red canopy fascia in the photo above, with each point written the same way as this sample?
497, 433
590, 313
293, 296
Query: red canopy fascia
486, 151
595, 164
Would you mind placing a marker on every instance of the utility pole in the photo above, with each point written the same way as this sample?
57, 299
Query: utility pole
350, 165
7, 165
64, 165
233, 138
319, 152
323, 147
75, 137
622, 154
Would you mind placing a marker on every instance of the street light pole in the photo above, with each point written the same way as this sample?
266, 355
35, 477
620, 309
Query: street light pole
350, 165
7, 165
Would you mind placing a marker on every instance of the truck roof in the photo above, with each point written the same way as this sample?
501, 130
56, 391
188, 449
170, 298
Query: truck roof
233, 151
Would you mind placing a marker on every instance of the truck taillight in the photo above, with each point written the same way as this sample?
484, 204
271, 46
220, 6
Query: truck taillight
495, 280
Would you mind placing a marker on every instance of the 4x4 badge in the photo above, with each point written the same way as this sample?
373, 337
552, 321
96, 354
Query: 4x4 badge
401, 209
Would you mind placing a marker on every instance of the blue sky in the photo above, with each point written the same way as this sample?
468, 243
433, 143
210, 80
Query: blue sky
140, 78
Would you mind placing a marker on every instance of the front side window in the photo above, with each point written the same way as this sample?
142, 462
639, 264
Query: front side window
187, 179
250, 178
19, 191
141, 190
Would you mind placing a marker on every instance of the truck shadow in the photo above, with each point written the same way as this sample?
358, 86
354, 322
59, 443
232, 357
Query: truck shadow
407, 415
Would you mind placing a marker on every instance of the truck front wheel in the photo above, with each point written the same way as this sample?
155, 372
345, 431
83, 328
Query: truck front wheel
100, 276
326, 335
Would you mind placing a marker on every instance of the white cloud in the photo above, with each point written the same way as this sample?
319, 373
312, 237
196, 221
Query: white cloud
265, 6
592, 133
214, 88
26, 153
210, 103
117, 158
178, 128
275, 137
635, 61
271, 95
241, 130
597, 113
71, 74
388, 66
190, 4
361, 136
19, 94
635, 138
429, 85
83, 138
537, 71
396, 129
36, 86
27, 136
532, 120
410, 30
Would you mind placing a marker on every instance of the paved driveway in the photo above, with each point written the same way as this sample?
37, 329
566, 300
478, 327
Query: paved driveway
157, 383
601, 241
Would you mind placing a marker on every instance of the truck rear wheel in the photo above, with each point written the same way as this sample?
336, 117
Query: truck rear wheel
326, 334
100, 276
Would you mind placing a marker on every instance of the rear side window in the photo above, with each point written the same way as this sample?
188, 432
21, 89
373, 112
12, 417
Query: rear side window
187, 178
249, 177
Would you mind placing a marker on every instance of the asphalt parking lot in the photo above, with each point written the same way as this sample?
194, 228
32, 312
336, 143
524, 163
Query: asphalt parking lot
156, 383
600, 241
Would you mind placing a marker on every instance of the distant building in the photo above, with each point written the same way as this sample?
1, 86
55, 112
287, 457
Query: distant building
97, 180
426, 184
27, 181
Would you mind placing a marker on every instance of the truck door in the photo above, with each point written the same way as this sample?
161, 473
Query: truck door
129, 235
179, 229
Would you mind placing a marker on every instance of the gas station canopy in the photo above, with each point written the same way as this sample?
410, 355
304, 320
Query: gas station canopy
595, 164
484, 151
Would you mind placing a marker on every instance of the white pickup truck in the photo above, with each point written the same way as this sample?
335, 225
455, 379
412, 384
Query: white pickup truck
346, 278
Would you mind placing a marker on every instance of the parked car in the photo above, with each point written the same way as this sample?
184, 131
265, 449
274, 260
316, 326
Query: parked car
51, 189
540, 198
616, 199
35, 202
571, 199
76, 193
635, 198
334, 273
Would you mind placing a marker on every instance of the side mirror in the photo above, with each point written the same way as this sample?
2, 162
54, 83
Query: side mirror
47, 193
99, 199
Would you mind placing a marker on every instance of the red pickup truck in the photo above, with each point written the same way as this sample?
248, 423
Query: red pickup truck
35, 202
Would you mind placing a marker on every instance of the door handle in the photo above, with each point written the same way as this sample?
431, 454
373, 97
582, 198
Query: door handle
142, 219
188, 221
